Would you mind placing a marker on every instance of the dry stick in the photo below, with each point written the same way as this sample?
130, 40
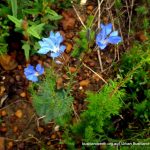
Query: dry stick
75, 113
121, 32
95, 73
98, 51
129, 16
116, 55
79, 16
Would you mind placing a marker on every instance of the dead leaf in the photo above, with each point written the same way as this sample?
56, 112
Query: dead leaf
7, 62
68, 21
68, 47
40, 129
141, 36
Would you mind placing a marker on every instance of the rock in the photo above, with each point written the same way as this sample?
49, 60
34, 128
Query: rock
72, 69
53, 136
2, 90
23, 94
57, 128
15, 129
84, 83
3, 113
3, 129
18, 113
18, 77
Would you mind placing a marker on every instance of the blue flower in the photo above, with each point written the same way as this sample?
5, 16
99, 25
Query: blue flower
32, 74
106, 36
52, 44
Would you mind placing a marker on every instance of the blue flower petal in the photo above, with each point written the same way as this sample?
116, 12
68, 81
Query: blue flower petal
42, 43
32, 78
114, 33
102, 25
39, 69
43, 50
48, 41
101, 45
54, 55
62, 48
114, 39
51, 34
29, 70
107, 28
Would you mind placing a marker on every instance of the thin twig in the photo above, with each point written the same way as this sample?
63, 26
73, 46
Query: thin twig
75, 113
100, 60
79, 16
95, 73
99, 15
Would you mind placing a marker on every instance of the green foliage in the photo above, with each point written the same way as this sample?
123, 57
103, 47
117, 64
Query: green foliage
137, 87
31, 18
101, 107
142, 110
118, 4
26, 48
35, 30
50, 103
30, 31
4, 34
85, 40
141, 10
14, 7
17, 22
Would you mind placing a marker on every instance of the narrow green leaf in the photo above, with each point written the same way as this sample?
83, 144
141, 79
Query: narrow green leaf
14, 7
52, 15
16, 21
35, 30
26, 48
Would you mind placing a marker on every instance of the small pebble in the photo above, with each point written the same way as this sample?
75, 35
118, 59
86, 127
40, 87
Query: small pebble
72, 69
18, 113
40, 129
3, 113
84, 83
18, 77
23, 94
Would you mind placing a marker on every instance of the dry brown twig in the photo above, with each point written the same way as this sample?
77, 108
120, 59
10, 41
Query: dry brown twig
95, 73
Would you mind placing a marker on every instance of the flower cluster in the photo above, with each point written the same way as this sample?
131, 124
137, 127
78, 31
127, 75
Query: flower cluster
52, 44
32, 74
106, 36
